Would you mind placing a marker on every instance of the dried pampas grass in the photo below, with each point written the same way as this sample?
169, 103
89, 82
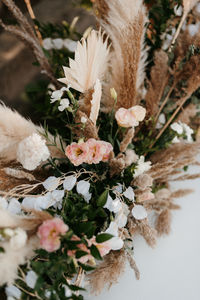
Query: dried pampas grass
107, 272
125, 25
14, 128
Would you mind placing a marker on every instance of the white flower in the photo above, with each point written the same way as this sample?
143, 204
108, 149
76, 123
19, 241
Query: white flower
64, 103
142, 166
113, 205
121, 216
56, 95
68, 293
32, 151
18, 240
14, 206
57, 198
188, 131
118, 188
193, 29
177, 127
83, 189
175, 140
57, 43
129, 193
31, 279
47, 44
13, 291
139, 212
83, 120
69, 182
115, 243
9, 232
178, 10
70, 45
161, 121
3, 203
51, 183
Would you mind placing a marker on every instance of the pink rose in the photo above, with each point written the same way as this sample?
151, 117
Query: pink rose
77, 153
125, 118
49, 234
130, 117
107, 148
138, 112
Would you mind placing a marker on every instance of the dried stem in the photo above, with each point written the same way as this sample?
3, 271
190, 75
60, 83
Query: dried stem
178, 31
164, 102
32, 15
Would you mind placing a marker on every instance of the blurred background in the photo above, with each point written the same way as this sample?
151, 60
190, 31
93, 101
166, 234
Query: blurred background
16, 60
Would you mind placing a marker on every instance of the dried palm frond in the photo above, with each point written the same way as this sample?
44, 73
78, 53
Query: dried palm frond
157, 83
107, 272
125, 25
95, 102
89, 64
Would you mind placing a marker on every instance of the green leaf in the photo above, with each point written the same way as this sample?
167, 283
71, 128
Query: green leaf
102, 199
86, 267
1, 250
103, 237
95, 252
80, 253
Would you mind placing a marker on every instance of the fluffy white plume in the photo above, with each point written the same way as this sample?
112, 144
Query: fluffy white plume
95, 103
90, 63
13, 129
125, 24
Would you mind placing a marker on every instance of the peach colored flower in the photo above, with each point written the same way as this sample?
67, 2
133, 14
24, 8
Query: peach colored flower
107, 148
49, 234
82, 247
125, 118
104, 248
138, 112
95, 154
77, 153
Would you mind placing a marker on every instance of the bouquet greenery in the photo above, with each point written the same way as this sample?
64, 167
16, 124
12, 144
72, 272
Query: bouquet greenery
120, 121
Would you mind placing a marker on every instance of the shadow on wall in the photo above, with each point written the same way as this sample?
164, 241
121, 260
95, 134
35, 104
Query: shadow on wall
16, 60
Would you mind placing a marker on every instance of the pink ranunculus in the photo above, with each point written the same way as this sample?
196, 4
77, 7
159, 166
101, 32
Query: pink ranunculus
49, 234
84, 259
95, 154
104, 248
77, 153
125, 118
138, 112
107, 148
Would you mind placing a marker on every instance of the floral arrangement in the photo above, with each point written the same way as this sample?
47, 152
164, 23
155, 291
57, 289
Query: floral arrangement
121, 122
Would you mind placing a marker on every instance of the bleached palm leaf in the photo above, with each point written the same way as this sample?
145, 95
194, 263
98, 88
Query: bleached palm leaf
95, 103
89, 64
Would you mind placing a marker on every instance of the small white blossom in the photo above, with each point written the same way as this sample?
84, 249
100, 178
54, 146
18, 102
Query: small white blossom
83, 188
14, 206
178, 10
64, 103
83, 120
69, 182
129, 193
47, 44
56, 95
9, 232
18, 240
139, 212
70, 45
32, 151
13, 291
118, 188
193, 29
121, 216
142, 166
161, 121
188, 132
68, 292
31, 279
177, 127
175, 140
51, 183
57, 43
113, 205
